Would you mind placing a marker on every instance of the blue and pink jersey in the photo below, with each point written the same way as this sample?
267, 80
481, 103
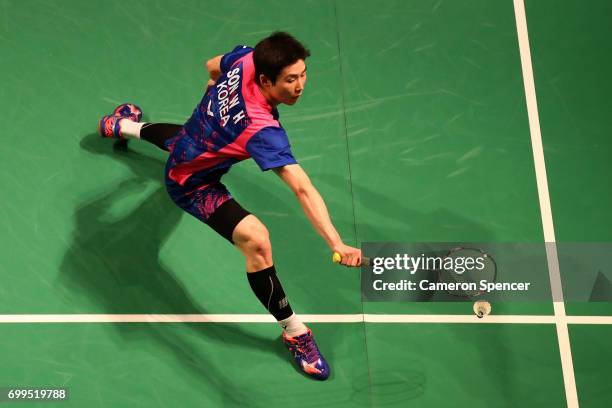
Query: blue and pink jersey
233, 122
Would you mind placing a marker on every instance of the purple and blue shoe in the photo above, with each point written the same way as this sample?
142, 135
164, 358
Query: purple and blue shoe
109, 124
307, 355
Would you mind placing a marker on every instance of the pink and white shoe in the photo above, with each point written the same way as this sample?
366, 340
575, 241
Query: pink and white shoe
109, 124
129, 111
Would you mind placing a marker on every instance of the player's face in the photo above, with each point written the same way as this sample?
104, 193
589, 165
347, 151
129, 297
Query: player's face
290, 83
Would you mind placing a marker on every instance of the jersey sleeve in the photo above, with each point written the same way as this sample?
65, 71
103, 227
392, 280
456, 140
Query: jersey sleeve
228, 59
270, 148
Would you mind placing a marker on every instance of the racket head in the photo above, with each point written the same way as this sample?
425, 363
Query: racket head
468, 278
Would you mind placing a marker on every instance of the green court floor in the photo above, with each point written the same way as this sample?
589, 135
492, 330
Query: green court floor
414, 127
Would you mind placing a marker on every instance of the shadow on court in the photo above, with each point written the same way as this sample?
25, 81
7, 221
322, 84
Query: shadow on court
114, 260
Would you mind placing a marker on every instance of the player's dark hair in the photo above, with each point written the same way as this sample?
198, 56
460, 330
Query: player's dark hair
276, 52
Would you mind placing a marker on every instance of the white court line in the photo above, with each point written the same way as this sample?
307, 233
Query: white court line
308, 318
565, 351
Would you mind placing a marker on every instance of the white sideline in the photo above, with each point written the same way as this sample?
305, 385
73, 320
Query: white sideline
309, 318
565, 350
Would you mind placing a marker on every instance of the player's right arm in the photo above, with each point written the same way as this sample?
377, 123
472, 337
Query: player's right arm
270, 148
314, 207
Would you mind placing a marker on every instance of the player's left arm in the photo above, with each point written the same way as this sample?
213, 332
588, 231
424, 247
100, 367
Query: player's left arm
213, 66
315, 209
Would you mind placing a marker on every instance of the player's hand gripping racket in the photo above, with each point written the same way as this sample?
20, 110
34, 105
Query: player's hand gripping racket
337, 258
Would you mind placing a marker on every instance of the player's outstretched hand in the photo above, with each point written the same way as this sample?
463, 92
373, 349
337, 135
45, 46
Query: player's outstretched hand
349, 256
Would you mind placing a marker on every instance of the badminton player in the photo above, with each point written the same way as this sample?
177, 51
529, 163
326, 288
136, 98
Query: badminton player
237, 119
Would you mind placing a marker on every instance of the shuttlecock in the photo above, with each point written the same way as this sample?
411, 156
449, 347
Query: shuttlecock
482, 308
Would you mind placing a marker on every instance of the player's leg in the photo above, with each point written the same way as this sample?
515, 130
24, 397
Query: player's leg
251, 237
215, 206
124, 123
156, 133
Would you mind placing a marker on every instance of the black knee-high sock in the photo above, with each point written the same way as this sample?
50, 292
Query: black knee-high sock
270, 293
158, 133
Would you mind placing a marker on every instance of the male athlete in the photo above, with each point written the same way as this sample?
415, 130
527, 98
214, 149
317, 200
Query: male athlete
237, 119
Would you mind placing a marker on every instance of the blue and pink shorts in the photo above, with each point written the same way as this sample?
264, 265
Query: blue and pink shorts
211, 203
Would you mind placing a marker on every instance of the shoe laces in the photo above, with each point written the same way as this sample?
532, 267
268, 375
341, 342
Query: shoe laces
308, 346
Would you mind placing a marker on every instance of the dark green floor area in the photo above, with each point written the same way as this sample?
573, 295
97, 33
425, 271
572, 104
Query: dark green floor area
571, 68
592, 364
413, 127
144, 365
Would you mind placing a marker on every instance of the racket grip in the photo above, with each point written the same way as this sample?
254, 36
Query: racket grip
337, 258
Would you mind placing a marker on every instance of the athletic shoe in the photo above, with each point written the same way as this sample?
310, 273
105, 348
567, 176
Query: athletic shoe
307, 355
109, 124
109, 127
128, 110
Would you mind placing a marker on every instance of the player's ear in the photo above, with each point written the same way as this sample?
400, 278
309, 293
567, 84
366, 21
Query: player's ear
264, 81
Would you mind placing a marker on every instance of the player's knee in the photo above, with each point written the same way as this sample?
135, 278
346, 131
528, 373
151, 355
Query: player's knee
254, 240
260, 245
